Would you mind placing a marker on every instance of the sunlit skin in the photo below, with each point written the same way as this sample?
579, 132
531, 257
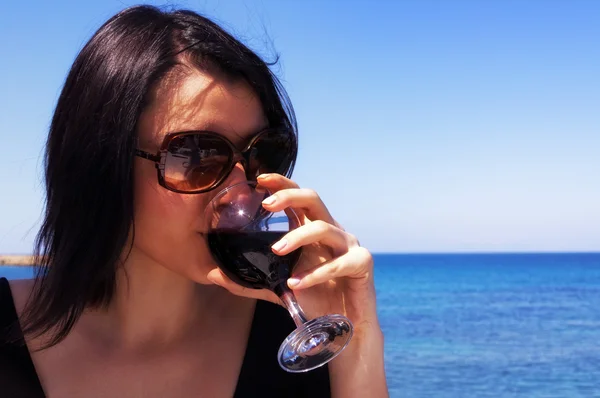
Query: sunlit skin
177, 325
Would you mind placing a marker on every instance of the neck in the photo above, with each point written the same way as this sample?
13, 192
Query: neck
154, 308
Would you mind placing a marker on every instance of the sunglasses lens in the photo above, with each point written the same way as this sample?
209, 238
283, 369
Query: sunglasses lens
194, 162
272, 152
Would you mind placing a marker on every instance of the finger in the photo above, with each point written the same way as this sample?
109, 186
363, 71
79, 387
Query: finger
275, 182
217, 277
299, 198
356, 264
314, 232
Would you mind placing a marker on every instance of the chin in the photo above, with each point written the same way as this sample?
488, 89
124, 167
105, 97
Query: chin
199, 267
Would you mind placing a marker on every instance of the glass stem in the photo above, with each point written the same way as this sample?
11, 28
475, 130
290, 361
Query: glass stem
287, 296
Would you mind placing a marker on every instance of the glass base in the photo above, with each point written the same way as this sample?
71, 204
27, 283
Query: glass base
315, 343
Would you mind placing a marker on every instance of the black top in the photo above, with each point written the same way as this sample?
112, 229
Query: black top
260, 375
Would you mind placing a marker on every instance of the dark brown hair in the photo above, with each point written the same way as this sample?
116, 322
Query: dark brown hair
91, 143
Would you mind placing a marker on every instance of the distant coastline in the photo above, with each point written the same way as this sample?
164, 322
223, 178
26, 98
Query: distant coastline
18, 260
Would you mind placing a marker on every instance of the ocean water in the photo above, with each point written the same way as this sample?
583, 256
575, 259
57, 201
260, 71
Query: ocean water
486, 325
522, 325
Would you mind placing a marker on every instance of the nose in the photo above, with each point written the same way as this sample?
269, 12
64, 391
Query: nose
238, 174
237, 204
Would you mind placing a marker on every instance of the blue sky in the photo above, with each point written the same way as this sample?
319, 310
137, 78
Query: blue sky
426, 126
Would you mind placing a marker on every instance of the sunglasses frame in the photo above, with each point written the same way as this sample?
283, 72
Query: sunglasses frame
160, 158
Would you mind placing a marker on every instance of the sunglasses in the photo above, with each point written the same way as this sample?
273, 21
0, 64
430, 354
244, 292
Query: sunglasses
198, 161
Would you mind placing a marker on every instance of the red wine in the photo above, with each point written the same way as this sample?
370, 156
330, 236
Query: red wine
247, 259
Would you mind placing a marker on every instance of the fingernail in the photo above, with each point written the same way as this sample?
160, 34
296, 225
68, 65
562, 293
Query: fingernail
270, 200
262, 176
279, 245
293, 282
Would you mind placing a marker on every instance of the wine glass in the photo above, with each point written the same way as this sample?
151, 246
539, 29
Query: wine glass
240, 233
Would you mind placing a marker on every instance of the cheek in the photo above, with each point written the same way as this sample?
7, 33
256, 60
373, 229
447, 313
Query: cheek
167, 226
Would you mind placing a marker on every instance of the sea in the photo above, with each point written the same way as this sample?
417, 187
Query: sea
485, 325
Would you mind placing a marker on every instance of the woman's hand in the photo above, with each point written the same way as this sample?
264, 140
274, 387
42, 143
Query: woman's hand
333, 276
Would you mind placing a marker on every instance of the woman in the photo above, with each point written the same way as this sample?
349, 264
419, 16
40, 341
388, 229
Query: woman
129, 302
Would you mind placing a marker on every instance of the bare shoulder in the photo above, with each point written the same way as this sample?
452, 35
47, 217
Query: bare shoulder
21, 290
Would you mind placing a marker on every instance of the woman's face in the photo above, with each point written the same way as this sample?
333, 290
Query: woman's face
168, 225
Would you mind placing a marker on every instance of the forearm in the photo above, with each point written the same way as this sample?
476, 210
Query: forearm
359, 370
